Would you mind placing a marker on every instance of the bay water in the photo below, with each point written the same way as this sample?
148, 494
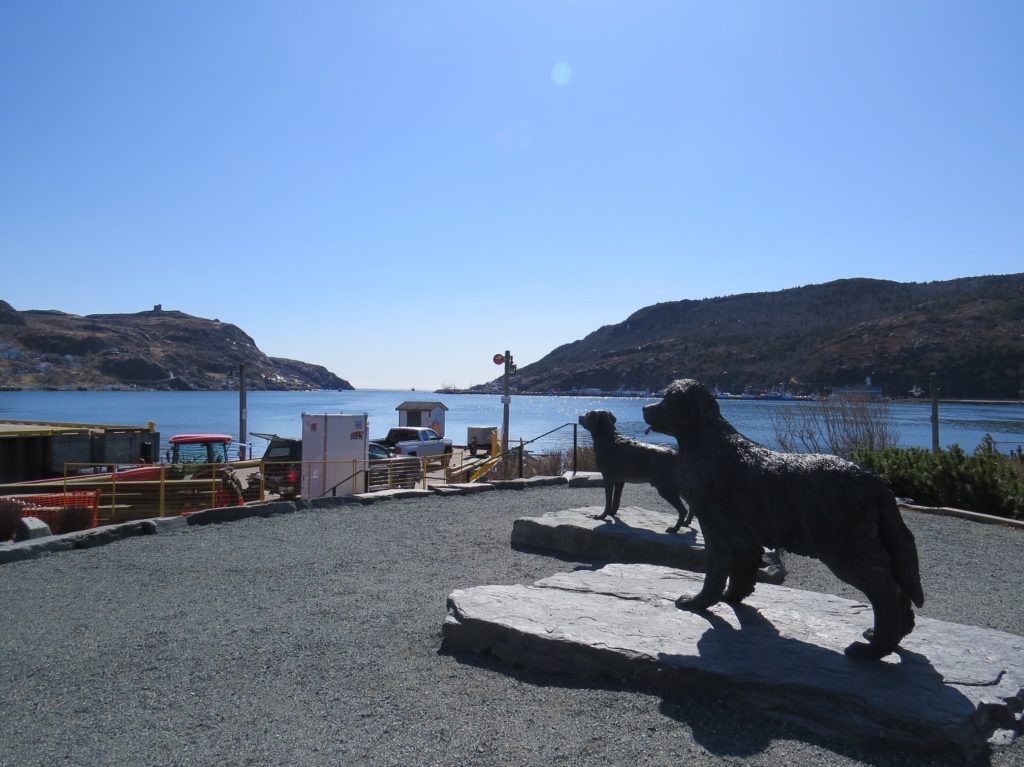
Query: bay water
530, 416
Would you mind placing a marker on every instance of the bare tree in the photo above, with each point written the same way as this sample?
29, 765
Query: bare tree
838, 425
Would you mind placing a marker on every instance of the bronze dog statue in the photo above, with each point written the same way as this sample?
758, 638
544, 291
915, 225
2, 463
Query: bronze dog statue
748, 497
621, 460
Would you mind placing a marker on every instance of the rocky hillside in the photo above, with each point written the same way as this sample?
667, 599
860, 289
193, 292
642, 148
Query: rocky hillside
153, 350
970, 332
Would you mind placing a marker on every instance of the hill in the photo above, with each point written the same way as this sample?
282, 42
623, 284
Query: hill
152, 349
969, 331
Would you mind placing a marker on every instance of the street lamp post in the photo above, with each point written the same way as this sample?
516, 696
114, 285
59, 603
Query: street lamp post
506, 399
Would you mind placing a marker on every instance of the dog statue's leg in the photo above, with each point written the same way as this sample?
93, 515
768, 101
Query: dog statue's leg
617, 497
685, 515
714, 580
609, 507
743, 576
891, 622
710, 593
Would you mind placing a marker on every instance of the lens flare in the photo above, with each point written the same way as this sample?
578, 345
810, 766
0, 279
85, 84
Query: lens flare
561, 74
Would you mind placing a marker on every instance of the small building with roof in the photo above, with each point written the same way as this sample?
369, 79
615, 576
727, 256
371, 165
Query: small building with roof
422, 413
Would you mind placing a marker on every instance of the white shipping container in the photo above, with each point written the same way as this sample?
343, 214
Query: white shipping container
334, 451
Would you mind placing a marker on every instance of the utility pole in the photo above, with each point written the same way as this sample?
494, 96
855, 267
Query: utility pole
243, 413
935, 413
506, 399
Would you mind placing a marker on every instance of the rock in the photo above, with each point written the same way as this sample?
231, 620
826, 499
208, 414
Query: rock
636, 535
462, 488
951, 687
30, 528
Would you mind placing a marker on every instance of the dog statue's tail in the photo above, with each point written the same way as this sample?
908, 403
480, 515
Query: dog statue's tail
899, 542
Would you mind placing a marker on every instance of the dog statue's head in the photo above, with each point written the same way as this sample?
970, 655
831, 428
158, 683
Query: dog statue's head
598, 422
687, 408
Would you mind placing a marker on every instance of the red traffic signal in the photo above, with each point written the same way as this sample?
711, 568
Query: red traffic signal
499, 359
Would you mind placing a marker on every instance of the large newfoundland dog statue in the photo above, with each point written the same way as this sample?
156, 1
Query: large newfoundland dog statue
748, 498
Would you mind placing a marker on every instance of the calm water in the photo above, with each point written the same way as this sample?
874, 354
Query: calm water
280, 413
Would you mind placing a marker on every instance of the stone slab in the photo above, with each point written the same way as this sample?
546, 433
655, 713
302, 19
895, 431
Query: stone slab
951, 687
636, 535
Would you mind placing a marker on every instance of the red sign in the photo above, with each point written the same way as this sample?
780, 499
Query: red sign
499, 359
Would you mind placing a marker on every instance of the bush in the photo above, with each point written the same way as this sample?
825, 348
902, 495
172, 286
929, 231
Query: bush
987, 481
10, 517
838, 425
543, 464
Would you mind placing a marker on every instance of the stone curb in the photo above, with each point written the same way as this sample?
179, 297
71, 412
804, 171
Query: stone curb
391, 495
973, 516
527, 482
235, 513
14, 552
465, 488
584, 479
80, 539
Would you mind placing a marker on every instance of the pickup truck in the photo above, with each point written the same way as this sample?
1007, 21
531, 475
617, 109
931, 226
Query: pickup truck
416, 440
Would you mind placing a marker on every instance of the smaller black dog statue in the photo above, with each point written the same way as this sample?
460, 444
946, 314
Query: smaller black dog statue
621, 460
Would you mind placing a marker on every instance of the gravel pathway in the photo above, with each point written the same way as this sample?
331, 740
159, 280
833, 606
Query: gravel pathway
313, 639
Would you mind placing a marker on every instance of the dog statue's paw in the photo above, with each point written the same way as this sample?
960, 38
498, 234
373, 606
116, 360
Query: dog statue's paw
737, 596
866, 651
674, 529
695, 604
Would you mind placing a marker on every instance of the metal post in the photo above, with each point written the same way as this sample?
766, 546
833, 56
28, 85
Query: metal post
935, 413
520, 458
163, 490
506, 400
575, 442
243, 413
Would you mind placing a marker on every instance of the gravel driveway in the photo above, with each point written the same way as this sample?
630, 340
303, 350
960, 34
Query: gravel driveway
313, 639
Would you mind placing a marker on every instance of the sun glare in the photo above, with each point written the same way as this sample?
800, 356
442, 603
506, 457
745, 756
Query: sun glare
561, 74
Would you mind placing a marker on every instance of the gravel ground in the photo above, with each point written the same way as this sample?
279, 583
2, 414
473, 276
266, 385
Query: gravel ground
313, 639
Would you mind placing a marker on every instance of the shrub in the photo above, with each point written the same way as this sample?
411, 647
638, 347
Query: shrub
10, 516
839, 425
987, 481
543, 464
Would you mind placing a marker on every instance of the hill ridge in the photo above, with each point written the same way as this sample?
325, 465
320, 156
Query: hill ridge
153, 349
969, 331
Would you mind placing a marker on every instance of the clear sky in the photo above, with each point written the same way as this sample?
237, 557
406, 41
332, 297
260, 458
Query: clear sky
398, 190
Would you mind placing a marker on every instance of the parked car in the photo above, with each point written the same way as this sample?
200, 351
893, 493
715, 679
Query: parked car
387, 470
282, 465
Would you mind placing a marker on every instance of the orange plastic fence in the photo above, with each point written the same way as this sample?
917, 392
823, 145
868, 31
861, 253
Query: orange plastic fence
50, 507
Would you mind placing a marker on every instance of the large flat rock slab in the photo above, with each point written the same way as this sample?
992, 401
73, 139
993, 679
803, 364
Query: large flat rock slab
636, 535
951, 687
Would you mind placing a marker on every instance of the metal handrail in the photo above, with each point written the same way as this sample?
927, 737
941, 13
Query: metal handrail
522, 444
333, 490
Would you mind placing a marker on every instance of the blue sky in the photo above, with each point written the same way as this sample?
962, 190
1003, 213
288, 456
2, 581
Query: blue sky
398, 190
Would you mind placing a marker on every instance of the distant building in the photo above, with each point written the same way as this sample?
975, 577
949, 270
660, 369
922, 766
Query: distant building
429, 414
